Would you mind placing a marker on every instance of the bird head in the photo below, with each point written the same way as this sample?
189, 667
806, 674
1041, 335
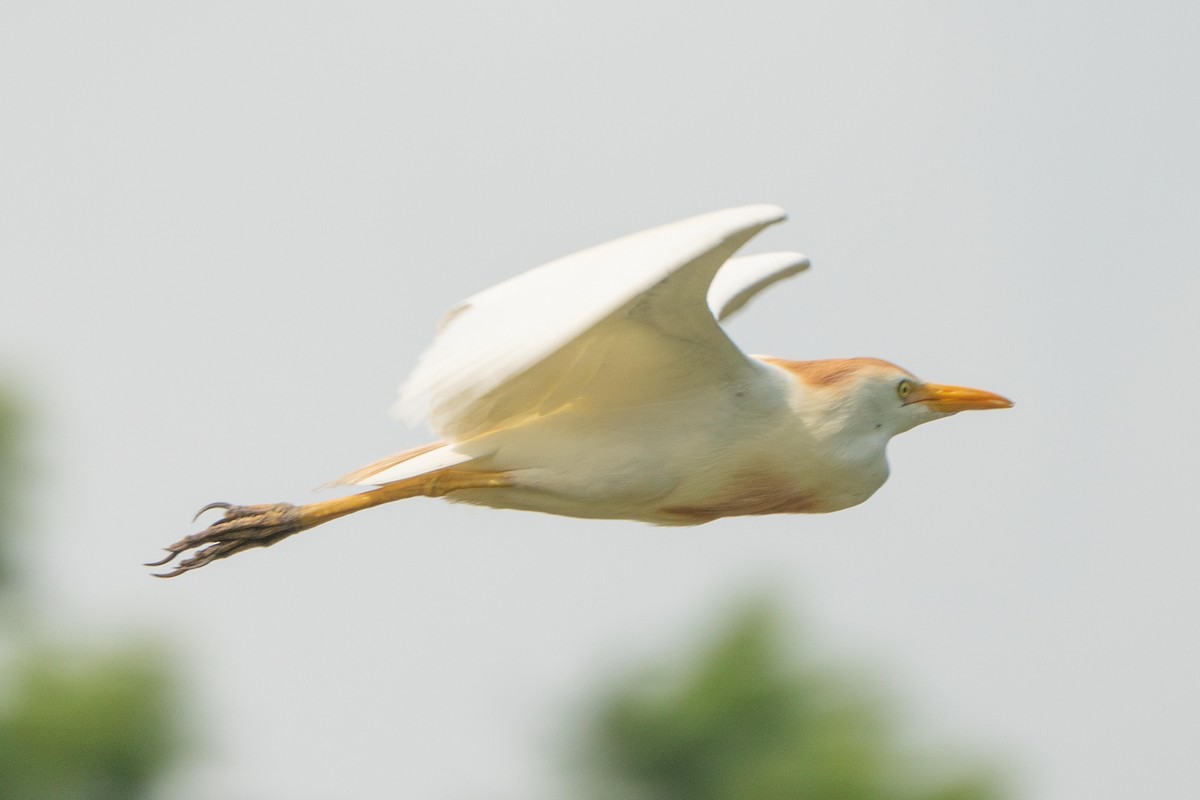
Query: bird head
868, 394
893, 399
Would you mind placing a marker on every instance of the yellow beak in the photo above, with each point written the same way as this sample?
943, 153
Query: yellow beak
949, 399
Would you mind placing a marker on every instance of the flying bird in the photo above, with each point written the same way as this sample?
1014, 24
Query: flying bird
602, 385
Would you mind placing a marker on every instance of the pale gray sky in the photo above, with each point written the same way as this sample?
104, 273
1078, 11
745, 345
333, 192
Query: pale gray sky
227, 230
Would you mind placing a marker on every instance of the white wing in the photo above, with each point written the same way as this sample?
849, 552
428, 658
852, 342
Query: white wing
622, 323
739, 279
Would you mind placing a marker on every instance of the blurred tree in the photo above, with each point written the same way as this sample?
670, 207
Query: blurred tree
8, 483
75, 724
742, 722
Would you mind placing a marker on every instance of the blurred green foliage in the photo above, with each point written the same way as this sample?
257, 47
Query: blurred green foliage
743, 721
9, 458
85, 724
76, 723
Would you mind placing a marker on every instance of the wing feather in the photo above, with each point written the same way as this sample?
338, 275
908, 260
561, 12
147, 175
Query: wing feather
621, 322
740, 279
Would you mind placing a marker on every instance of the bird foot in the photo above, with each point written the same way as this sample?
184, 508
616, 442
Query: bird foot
240, 528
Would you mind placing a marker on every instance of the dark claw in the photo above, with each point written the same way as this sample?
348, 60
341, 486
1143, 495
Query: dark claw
239, 528
209, 507
170, 556
210, 553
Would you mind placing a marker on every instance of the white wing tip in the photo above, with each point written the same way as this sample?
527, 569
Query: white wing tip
776, 213
760, 213
767, 210
743, 277
783, 263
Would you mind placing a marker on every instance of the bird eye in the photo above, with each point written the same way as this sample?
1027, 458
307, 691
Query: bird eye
904, 389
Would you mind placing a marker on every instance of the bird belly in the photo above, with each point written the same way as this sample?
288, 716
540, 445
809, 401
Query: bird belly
610, 483
662, 498
769, 489
752, 495
667, 472
614, 465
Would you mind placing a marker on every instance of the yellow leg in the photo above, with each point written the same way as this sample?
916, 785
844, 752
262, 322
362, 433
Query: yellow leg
245, 527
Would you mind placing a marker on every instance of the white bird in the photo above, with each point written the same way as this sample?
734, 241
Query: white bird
601, 385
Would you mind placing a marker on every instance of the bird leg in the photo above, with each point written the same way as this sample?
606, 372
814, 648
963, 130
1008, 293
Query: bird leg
245, 527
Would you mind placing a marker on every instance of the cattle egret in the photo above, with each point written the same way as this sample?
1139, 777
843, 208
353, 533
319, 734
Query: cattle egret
601, 385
